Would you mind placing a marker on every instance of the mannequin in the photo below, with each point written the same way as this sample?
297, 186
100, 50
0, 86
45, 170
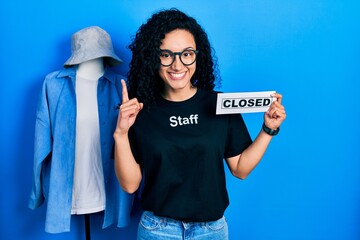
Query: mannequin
88, 188
75, 120
92, 69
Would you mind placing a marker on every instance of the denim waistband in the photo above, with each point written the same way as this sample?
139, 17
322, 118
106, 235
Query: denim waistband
166, 220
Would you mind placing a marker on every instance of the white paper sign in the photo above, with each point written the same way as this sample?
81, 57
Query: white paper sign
246, 102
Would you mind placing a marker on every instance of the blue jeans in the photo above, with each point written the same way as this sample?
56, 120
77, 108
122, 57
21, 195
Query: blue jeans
152, 227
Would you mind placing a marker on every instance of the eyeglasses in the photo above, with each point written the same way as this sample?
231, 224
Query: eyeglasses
187, 57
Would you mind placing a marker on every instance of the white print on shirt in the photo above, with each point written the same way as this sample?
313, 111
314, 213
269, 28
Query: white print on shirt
177, 120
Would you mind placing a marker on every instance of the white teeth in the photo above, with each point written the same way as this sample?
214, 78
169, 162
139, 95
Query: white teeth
177, 75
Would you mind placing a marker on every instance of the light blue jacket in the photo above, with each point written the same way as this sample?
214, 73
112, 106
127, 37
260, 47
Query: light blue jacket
54, 150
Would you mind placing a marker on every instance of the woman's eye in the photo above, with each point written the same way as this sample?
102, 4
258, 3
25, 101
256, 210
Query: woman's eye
186, 54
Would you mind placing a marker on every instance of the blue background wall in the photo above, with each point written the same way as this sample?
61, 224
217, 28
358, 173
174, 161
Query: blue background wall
306, 187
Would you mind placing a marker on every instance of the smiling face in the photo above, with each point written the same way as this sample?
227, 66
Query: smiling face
176, 77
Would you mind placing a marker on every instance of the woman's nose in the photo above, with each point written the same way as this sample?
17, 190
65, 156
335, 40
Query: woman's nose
177, 64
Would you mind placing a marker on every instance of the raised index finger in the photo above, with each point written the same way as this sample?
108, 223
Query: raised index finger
125, 96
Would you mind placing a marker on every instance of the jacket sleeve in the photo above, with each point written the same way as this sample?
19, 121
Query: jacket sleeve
42, 148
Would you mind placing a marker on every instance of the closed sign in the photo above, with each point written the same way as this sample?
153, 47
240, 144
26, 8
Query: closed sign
246, 102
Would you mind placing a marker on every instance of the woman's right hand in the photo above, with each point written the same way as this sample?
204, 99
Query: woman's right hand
128, 111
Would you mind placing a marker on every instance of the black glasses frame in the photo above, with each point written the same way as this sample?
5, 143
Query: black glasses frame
180, 54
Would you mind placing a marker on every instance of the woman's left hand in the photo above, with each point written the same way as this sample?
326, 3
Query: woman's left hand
275, 114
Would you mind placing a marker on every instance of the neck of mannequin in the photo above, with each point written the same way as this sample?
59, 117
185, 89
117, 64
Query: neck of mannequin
91, 70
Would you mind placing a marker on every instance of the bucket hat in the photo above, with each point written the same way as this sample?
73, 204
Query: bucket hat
90, 43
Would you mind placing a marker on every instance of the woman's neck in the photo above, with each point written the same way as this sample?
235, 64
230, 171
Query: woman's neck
179, 95
91, 70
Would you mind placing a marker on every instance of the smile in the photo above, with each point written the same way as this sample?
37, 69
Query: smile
177, 75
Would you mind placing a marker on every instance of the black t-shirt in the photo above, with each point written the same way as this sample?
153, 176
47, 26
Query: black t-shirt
180, 147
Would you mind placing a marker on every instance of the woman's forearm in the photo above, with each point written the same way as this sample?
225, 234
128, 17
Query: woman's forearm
251, 156
127, 169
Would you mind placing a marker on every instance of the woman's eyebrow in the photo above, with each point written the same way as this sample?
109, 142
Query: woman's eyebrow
187, 48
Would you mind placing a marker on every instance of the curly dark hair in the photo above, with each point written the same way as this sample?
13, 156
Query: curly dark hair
143, 78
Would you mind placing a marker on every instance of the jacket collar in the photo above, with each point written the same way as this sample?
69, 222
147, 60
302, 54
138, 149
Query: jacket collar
71, 72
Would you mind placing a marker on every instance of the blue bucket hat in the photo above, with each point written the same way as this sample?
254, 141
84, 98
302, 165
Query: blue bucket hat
90, 43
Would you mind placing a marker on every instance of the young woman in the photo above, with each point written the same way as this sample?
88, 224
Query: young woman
169, 137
